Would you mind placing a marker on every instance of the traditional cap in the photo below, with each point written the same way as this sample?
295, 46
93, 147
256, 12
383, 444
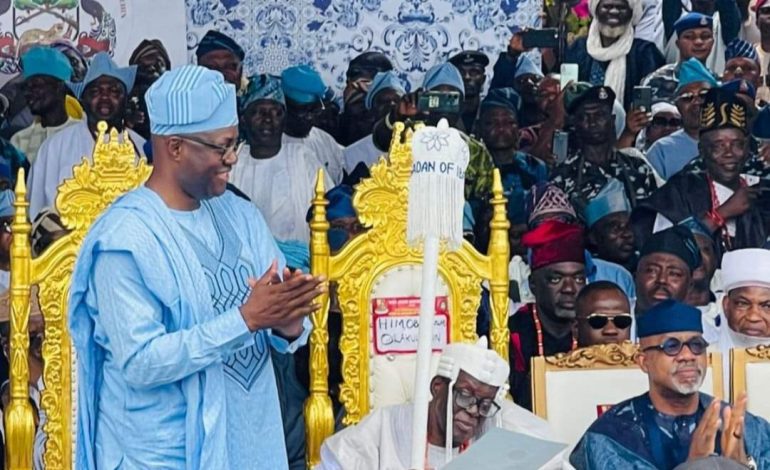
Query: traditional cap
368, 64
262, 87
721, 110
46, 228
665, 107
469, 58
44, 60
749, 267
696, 227
484, 364
297, 254
547, 198
340, 203
554, 241
611, 199
677, 241
103, 66
669, 316
7, 198
740, 48
148, 46
506, 98
383, 81
692, 71
761, 127
191, 99
216, 41
693, 20
739, 85
443, 74
525, 66
577, 94
303, 84
67, 48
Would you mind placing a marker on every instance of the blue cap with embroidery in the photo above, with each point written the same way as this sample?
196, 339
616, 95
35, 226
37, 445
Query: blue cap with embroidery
45, 60
669, 316
102, 65
740, 48
443, 74
262, 87
191, 99
216, 41
611, 199
383, 81
693, 20
303, 84
692, 71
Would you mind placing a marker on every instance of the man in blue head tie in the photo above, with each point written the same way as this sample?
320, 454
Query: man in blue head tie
178, 293
673, 423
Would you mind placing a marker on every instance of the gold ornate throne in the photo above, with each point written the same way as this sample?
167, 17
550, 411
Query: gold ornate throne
80, 200
376, 257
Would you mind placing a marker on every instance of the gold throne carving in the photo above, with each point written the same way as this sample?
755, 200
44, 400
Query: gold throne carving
381, 204
80, 199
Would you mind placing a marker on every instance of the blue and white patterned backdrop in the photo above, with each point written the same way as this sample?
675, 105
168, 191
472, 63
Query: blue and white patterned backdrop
415, 34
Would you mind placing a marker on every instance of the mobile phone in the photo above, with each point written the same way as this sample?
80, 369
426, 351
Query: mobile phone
560, 145
642, 98
444, 102
546, 38
568, 73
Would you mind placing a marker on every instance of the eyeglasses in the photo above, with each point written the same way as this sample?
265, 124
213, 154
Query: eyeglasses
688, 97
466, 400
660, 121
673, 346
597, 321
221, 150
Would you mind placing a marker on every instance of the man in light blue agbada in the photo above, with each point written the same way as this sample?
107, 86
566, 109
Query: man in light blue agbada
178, 292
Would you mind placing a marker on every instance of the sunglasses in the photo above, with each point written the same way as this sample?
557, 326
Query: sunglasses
597, 321
663, 122
688, 97
673, 346
466, 400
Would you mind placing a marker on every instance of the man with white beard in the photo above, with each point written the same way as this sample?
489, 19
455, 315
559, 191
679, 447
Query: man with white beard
746, 305
673, 423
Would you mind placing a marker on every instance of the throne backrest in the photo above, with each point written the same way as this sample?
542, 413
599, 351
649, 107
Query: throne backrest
95, 184
750, 373
377, 277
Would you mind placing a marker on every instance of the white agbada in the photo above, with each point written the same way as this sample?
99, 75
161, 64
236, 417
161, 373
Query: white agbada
56, 158
362, 150
324, 148
281, 187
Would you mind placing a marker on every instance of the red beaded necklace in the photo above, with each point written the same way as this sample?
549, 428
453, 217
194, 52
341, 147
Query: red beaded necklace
539, 332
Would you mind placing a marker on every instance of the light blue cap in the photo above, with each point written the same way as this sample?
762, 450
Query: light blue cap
383, 81
7, 198
102, 65
611, 199
262, 87
45, 60
692, 71
525, 66
303, 84
443, 74
191, 99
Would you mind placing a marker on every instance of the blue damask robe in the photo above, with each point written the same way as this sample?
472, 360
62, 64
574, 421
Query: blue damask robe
624, 438
169, 374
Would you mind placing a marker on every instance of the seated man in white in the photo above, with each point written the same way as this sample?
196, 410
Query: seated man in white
746, 278
103, 94
673, 423
470, 378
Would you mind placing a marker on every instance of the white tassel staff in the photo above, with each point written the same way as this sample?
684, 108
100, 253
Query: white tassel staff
436, 198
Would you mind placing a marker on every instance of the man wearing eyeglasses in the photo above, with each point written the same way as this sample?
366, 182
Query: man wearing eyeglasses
602, 315
673, 423
178, 294
670, 154
471, 380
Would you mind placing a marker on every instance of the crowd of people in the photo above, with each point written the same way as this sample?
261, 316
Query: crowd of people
650, 225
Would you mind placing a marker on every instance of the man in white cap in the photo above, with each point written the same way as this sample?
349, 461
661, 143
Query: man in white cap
178, 293
103, 94
746, 278
471, 379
